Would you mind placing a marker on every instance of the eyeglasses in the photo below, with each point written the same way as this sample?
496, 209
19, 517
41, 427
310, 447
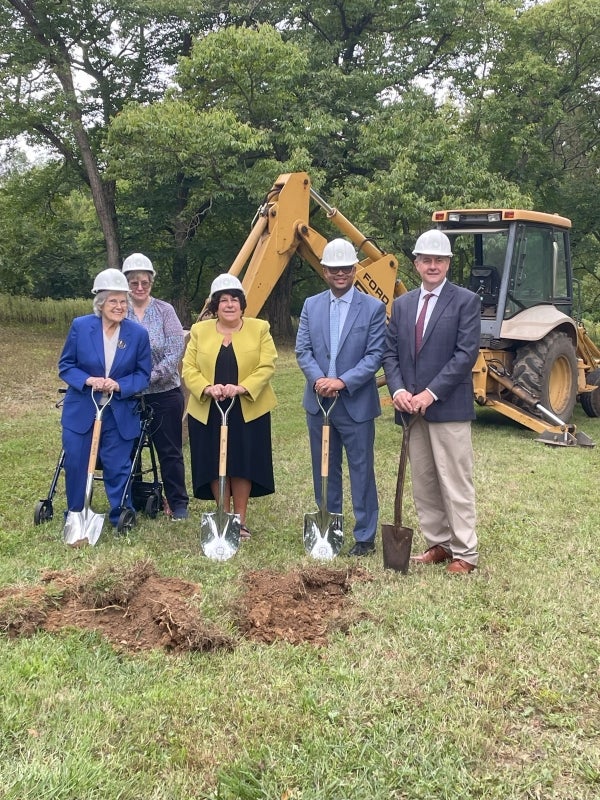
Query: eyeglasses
115, 303
337, 270
143, 284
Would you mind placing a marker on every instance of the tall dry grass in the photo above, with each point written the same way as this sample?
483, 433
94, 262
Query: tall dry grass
21, 310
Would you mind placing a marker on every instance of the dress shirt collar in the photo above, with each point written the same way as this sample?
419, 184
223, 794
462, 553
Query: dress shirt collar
435, 291
345, 298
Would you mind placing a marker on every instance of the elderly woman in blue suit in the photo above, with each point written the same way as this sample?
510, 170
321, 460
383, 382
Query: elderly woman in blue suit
104, 353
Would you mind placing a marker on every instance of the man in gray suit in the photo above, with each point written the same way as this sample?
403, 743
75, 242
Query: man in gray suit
432, 343
339, 345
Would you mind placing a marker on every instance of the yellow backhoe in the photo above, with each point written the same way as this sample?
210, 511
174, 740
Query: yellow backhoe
535, 359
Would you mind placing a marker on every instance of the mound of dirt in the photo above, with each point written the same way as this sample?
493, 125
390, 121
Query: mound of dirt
300, 606
137, 609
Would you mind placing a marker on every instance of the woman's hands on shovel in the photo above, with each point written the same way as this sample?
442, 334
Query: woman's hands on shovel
220, 391
105, 385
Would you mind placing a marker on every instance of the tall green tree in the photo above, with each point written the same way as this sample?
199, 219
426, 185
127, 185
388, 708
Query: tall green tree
419, 157
177, 166
68, 67
394, 109
540, 117
49, 236
319, 90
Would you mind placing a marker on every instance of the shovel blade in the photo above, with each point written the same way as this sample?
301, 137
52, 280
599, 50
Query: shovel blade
82, 527
323, 535
220, 535
396, 542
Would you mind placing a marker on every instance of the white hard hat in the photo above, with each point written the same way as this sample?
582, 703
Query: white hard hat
138, 262
432, 243
225, 283
339, 253
110, 280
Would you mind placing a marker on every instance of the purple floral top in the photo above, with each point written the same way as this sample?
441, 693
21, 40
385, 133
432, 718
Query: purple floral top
166, 343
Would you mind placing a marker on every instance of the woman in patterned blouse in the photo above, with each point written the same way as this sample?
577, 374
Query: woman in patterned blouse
164, 394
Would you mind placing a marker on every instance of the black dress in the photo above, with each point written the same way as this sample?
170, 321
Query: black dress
249, 452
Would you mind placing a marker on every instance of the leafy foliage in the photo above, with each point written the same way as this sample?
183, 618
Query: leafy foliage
191, 113
50, 244
540, 118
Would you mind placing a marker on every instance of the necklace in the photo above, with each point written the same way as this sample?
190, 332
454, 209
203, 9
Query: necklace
223, 329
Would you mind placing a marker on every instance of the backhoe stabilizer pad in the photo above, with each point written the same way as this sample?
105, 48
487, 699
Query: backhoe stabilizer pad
583, 440
565, 439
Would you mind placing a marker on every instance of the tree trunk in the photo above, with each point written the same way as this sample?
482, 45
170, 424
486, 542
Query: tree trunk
56, 53
179, 298
277, 308
102, 194
181, 235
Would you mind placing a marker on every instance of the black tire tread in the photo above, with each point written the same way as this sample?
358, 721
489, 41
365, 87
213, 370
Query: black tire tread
533, 364
590, 401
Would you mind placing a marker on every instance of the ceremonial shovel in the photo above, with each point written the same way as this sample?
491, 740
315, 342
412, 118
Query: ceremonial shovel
323, 531
86, 526
220, 530
396, 540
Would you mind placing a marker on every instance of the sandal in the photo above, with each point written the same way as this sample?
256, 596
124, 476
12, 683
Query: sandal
244, 533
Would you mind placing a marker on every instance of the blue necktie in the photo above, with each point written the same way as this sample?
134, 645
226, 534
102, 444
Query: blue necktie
334, 336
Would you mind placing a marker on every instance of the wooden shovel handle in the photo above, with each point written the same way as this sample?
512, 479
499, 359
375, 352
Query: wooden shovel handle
401, 475
223, 452
94, 446
325, 452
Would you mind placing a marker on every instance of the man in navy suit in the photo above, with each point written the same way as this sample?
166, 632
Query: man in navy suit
339, 346
104, 353
432, 344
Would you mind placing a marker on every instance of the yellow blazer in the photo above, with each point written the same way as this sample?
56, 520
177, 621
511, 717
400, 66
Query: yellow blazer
255, 354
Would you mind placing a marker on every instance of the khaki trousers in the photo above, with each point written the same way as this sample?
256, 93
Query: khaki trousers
441, 463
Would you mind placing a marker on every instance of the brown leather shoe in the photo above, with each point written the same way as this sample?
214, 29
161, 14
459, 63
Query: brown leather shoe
460, 567
434, 555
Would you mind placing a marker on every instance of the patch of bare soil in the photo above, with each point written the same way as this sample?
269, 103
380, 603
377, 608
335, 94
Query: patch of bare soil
304, 606
137, 609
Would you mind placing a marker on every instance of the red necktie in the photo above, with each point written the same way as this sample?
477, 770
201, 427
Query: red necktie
421, 323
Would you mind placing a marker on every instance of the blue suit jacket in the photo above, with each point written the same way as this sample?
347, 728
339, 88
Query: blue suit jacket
449, 350
360, 349
83, 355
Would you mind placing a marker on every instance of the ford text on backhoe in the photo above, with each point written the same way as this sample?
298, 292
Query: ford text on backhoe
535, 359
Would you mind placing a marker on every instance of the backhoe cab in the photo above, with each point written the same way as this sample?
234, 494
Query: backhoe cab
535, 359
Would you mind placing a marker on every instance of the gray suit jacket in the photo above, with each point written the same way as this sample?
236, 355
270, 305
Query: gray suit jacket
449, 351
360, 349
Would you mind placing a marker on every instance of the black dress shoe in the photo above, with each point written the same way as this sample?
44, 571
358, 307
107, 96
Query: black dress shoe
362, 549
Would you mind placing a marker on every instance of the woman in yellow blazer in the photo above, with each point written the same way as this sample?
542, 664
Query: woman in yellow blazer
226, 357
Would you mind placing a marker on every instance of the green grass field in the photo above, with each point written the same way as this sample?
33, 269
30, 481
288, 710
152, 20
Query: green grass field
485, 686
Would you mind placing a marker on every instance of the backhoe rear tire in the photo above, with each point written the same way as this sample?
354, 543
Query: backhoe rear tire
590, 401
548, 370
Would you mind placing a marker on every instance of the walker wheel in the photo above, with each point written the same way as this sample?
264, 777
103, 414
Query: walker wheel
126, 522
43, 512
152, 506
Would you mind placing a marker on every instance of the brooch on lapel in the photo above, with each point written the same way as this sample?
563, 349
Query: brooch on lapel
121, 344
